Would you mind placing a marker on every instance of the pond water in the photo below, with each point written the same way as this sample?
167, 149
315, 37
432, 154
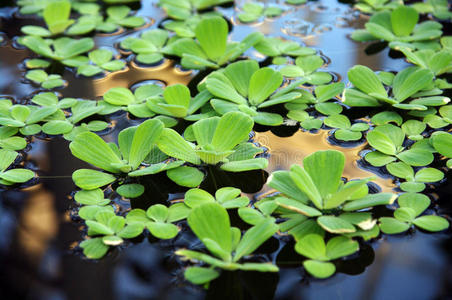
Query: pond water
39, 234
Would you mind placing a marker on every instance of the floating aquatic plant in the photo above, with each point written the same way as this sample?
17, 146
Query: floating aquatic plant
388, 141
438, 8
10, 176
275, 47
243, 86
181, 10
415, 182
210, 222
345, 130
253, 11
306, 69
148, 47
176, 102
411, 83
108, 230
45, 80
63, 49
220, 141
411, 206
211, 48
373, 6
135, 143
314, 198
96, 62
400, 28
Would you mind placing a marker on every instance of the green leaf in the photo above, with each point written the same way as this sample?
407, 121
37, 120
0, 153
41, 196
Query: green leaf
386, 138
195, 197
17, 175
298, 207
56, 127
262, 84
211, 221
89, 147
319, 269
392, 226
366, 80
186, 176
335, 225
281, 181
233, 128
370, 201
198, 275
56, 15
90, 179
403, 20
93, 197
340, 246
442, 142
429, 175
146, 134
239, 74
212, 35
94, 248
245, 165
132, 190
172, 144
119, 96
325, 168
305, 183
312, 246
401, 170
416, 157
417, 202
431, 223
162, 230
254, 237
410, 81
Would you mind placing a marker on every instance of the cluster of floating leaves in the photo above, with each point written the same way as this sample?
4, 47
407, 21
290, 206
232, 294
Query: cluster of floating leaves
185, 136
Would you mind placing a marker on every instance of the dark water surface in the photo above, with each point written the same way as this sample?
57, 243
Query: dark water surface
39, 257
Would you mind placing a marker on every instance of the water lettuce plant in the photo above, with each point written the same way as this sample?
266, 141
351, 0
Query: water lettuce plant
412, 82
316, 194
439, 62
63, 49
158, 219
186, 28
135, 143
438, 8
399, 27
108, 230
56, 16
388, 142
318, 100
8, 175
148, 48
181, 10
25, 118
345, 130
415, 182
442, 142
373, 6
219, 141
253, 11
9, 140
320, 254
305, 68
411, 206
98, 61
176, 102
45, 80
275, 47
210, 222
211, 48
92, 202
119, 98
243, 86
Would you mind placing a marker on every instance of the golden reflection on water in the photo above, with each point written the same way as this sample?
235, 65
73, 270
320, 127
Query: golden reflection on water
38, 222
285, 151
166, 72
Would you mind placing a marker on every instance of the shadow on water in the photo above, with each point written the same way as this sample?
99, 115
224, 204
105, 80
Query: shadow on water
39, 256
